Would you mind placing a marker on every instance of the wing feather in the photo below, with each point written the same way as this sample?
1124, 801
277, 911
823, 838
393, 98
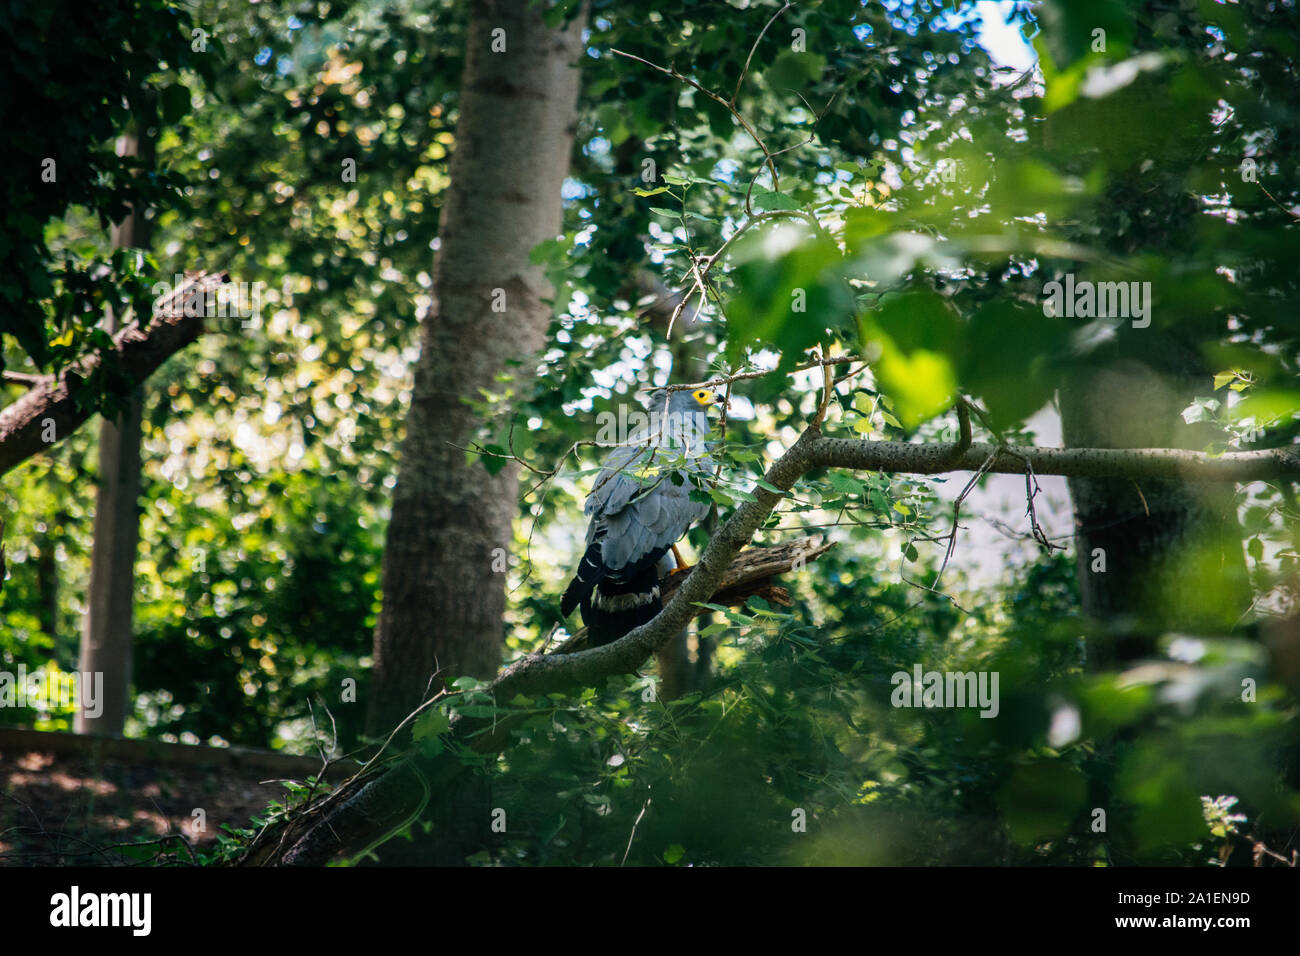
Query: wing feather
633, 518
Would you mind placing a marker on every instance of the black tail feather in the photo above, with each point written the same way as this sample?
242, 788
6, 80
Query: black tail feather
609, 599
591, 571
617, 606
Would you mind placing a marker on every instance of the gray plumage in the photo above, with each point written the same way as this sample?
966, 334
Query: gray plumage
641, 505
636, 505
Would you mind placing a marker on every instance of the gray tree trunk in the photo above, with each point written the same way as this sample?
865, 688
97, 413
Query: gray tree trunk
1154, 557
108, 635
443, 602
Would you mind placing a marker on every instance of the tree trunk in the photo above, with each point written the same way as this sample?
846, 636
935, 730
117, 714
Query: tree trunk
1154, 557
47, 581
107, 638
444, 593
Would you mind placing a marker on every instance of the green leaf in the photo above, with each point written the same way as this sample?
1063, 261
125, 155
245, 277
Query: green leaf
844, 484
772, 201
1267, 406
919, 338
549, 252
495, 459
1201, 410
431, 723
478, 710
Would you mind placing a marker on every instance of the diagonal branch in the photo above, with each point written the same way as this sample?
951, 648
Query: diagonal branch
50, 411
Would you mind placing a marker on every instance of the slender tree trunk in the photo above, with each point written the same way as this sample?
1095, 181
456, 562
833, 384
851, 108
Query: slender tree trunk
1154, 557
47, 582
451, 527
108, 635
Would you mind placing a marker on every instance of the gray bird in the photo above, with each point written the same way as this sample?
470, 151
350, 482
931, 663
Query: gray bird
639, 509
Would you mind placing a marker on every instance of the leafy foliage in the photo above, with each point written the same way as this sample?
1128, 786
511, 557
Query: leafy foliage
50, 303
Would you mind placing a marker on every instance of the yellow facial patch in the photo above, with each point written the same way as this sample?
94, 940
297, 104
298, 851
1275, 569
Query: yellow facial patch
704, 397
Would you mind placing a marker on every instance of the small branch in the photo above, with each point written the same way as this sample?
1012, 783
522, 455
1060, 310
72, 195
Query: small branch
632, 836
963, 424
700, 269
743, 376
1290, 212
828, 390
761, 33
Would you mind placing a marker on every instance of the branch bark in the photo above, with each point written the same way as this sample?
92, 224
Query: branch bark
751, 571
50, 409
1135, 463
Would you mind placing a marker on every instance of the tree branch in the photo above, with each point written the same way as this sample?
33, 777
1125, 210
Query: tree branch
50, 411
1149, 463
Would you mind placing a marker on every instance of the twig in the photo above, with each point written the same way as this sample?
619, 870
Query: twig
745, 69
631, 836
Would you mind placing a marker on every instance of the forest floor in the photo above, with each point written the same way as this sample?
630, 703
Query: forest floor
67, 804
